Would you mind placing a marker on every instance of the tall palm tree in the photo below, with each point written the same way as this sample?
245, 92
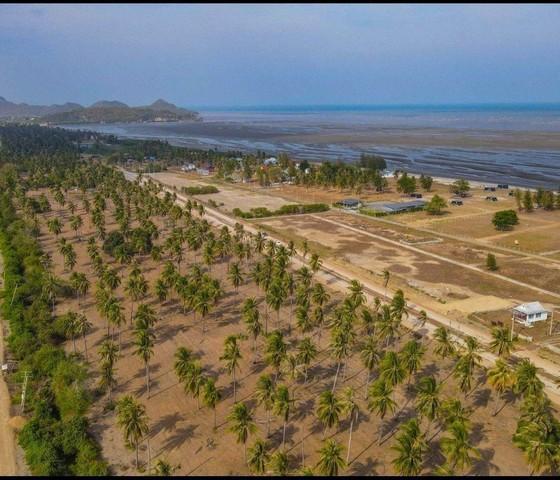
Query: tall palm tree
380, 400
145, 349
70, 327
315, 263
231, 357
280, 462
330, 458
275, 351
235, 275
83, 327
411, 447
370, 356
265, 394
329, 410
258, 457
502, 341
251, 317
282, 406
392, 368
411, 356
241, 424
183, 362
211, 396
427, 400
501, 377
136, 288
307, 352
540, 447
445, 347
457, 448
527, 381
352, 411
132, 418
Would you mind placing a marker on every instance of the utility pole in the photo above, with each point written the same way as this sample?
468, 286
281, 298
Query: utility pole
24, 390
512, 319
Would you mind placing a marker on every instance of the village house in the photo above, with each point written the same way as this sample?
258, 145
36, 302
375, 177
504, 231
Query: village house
529, 313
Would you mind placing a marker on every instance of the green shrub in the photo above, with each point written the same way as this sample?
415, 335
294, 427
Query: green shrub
505, 219
200, 190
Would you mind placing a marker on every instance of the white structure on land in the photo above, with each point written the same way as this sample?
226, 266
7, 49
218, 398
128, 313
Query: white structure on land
271, 161
188, 167
529, 313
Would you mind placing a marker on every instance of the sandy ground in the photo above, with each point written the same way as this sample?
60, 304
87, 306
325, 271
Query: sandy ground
230, 197
183, 433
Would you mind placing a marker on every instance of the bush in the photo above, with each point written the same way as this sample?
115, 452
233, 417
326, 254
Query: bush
290, 209
200, 190
113, 240
505, 219
491, 263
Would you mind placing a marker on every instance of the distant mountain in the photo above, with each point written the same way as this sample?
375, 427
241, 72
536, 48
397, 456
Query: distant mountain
23, 110
104, 111
108, 104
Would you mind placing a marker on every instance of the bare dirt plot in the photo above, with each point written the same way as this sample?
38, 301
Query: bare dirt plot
231, 197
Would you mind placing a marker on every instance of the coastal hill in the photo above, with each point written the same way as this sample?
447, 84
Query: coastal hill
22, 110
104, 111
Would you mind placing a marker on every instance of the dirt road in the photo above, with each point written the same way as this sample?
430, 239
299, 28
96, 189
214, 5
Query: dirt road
7, 436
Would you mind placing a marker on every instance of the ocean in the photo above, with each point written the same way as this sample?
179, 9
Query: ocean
516, 144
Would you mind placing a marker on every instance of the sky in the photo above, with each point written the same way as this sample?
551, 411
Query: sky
301, 54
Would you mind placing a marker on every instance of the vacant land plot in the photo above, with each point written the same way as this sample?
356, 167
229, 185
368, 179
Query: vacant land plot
230, 197
182, 432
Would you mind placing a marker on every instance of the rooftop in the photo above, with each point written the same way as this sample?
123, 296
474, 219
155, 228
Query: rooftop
395, 206
530, 308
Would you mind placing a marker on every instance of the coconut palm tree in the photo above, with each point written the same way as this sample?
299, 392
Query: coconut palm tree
501, 378
330, 458
527, 382
70, 327
211, 396
370, 356
259, 457
132, 419
235, 275
241, 424
380, 400
540, 447
282, 406
83, 327
80, 284
329, 410
231, 357
411, 447
107, 380
428, 402
275, 350
251, 317
392, 368
55, 226
502, 341
163, 468
315, 263
457, 448
136, 288
352, 411
411, 356
145, 349
265, 393
111, 278
183, 362
307, 352
279, 463
445, 347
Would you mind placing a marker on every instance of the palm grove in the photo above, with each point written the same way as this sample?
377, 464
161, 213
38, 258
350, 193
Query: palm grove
292, 326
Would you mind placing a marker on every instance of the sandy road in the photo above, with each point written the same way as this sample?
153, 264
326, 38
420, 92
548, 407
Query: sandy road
7, 435
337, 277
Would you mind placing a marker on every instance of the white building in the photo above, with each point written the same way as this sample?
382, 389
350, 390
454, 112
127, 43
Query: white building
189, 167
271, 161
529, 313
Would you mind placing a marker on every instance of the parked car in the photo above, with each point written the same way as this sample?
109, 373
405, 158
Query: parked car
456, 201
492, 199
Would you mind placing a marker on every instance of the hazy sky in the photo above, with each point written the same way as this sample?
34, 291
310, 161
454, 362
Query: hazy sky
197, 55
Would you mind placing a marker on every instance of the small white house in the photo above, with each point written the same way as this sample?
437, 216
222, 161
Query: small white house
271, 161
188, 167
529, 313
